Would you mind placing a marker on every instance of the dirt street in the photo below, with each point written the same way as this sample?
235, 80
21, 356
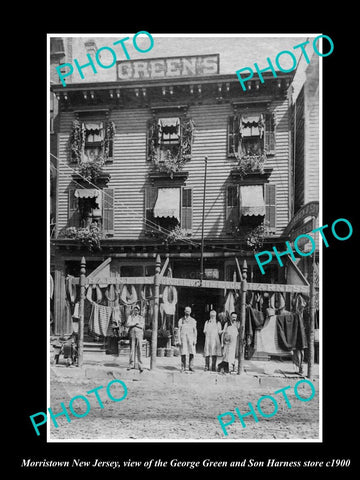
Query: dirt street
161, 406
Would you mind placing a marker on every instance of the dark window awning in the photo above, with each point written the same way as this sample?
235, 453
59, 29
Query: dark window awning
169, 128
251, 125
89, 193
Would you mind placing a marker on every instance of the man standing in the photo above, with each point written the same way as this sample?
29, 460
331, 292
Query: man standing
229, 342
188, 339
136, 325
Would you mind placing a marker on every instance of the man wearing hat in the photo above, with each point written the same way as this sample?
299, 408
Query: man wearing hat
187, 339
136, 325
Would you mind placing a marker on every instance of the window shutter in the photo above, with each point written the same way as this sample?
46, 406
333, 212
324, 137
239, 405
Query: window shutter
150, 199
109, 135
231, 207
233, 135
73, 211
269, 142
152, 138
77, 141
108, 211
270, 205
187, 129
186, 209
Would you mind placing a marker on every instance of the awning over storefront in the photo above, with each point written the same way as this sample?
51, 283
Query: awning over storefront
89, 193
252, 200
168, 203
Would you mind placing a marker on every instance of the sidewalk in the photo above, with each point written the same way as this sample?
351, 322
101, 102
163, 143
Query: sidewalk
256, 373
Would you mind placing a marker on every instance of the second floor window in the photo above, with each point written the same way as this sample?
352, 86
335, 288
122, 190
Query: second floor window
94, 138
169, 131
91, 140
251, 134
170, 141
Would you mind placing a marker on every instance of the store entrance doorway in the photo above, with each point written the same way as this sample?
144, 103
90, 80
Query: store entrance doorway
201, 302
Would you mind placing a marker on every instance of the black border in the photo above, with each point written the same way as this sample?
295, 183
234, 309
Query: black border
340, 309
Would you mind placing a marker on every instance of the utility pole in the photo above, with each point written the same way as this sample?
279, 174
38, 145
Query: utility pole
241, 337
202, 226
156, 313
82, 279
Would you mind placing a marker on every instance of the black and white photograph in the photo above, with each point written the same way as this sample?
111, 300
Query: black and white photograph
185, 238
183, 249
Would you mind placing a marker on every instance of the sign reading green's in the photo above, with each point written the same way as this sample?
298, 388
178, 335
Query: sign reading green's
194, 65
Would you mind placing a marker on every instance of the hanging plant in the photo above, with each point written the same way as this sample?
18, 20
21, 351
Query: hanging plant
252, 237
255, 238
153, 139
108, 138
250, 164
77, 141
170, 159
176, 234
187, 137
92, 170
88, 236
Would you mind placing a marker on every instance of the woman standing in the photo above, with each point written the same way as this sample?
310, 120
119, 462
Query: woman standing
212, 348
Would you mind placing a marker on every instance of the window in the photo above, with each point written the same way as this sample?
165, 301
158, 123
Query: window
166, 208
270, 206
232, 206
169, 131
250, 205
108, 211
92, 139
186, 209
170, 139
87, 206
251, 134
57, 46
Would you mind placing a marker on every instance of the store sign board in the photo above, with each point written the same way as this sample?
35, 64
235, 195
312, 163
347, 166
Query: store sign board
302, 229
311, 209
169, 67
212, 273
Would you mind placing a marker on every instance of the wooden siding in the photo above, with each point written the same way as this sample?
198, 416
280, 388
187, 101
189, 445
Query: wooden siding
299, 127
280, 164
312, 163
129, 169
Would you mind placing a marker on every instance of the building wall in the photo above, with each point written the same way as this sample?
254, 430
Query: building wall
312, 163
129, 169
305, 113
299, 145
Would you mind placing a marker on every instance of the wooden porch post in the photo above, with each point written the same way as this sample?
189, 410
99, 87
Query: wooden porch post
156, 313
242, 318
81, 311
312, 319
